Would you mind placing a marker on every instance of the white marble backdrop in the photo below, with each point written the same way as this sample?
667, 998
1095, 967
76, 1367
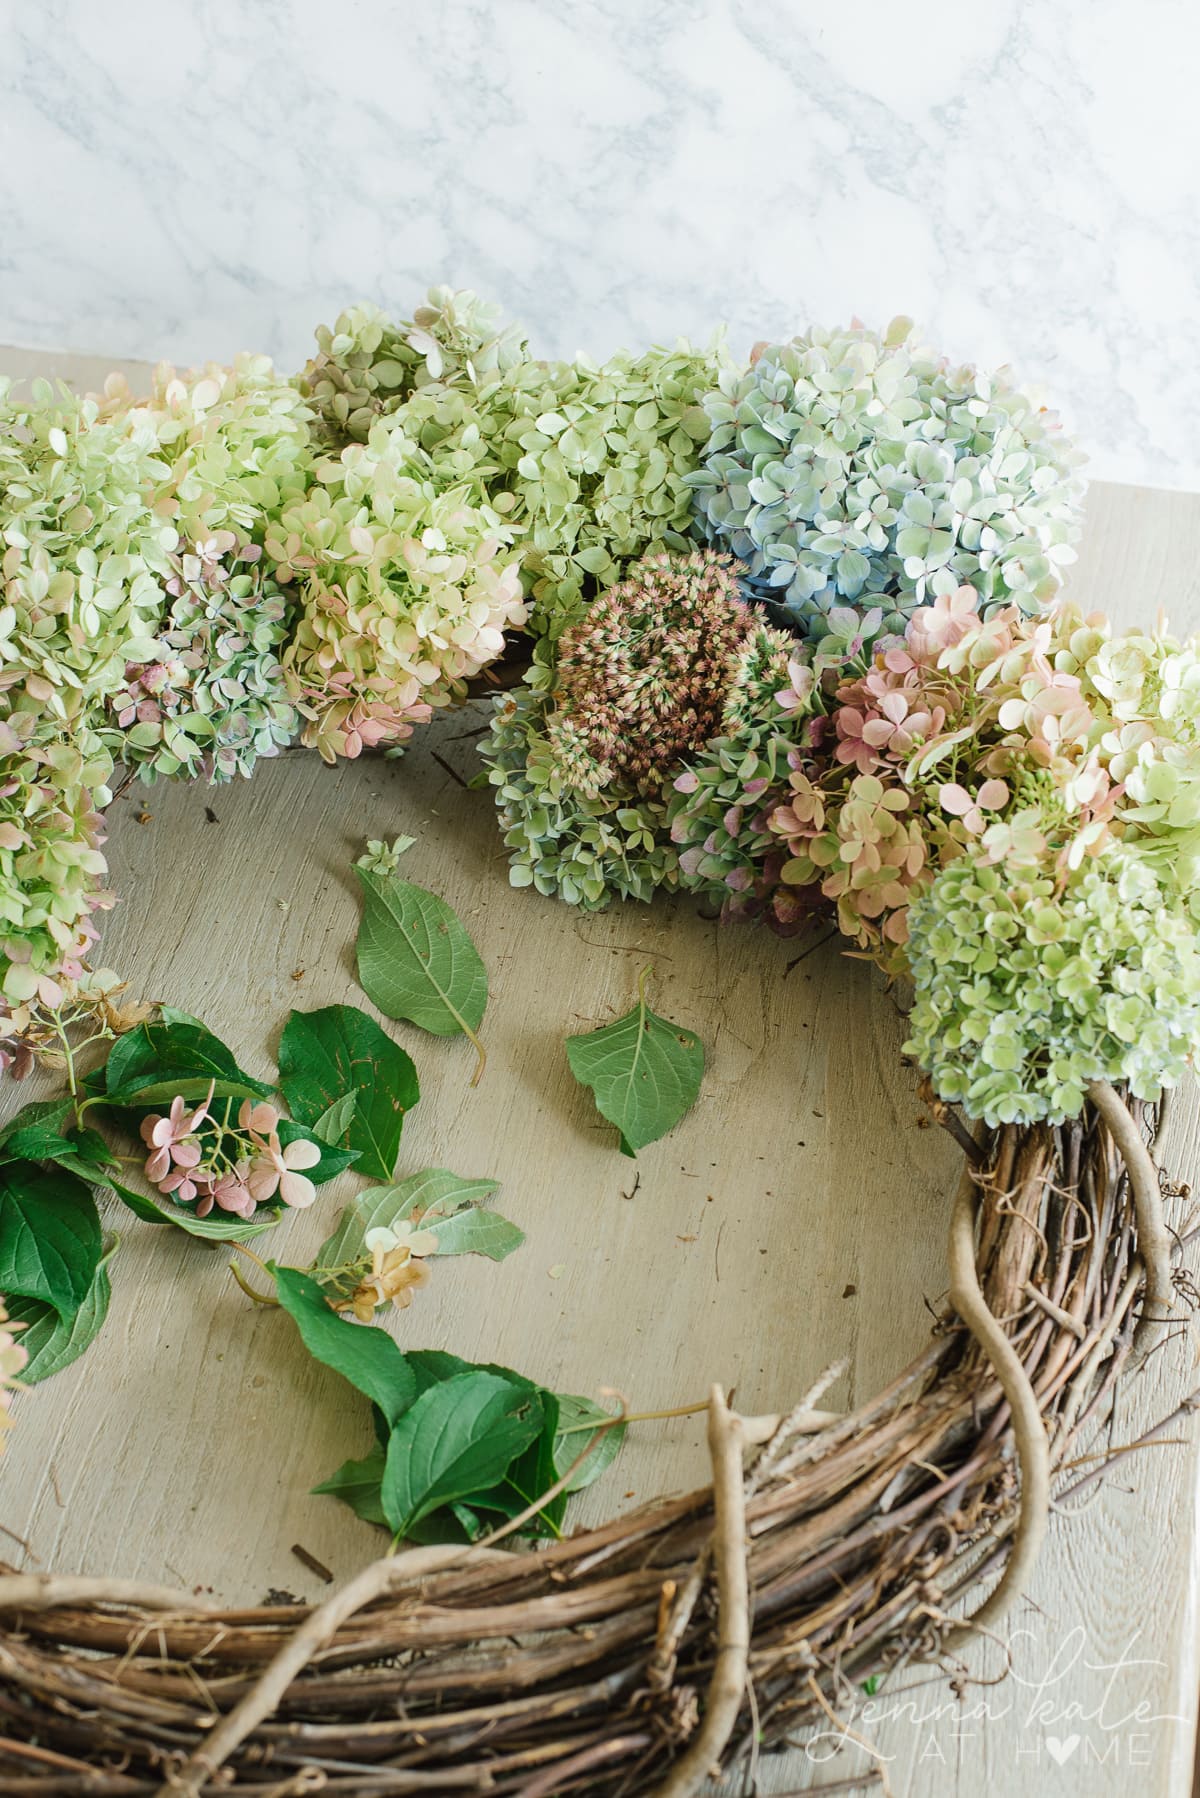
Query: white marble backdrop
189, 177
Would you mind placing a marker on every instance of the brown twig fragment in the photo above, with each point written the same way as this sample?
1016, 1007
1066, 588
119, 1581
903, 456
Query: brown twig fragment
1153, 1237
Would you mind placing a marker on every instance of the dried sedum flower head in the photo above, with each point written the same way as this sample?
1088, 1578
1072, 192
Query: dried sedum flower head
643, 676
405, 585
1026, 989
857, 466
368, 365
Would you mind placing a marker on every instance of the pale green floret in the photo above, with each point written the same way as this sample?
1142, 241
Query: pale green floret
583, 850
1024, 995
855, 466
83, 557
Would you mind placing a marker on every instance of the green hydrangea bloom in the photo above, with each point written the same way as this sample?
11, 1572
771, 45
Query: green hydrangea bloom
1025, 993
856, 466
584, 849
719, 803
51, 865
587, 463
84, 556
214, 701
368, 365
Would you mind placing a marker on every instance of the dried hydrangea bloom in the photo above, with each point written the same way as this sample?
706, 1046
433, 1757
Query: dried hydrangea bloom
644, 676
51, 862
369, 364
83, 555
405, 589
214, 700
1027, 988
856, 467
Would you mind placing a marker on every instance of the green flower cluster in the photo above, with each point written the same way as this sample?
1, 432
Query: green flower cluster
1026, 991
583, 848
368, 365
83, 555
214, 701
857, 466
234, 443
586, 463
406, 587
51, 787
720, 802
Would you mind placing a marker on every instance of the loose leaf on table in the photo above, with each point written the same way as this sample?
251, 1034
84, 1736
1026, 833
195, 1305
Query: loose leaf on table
458, 1439
52, 1341
176, 1054
218, 1226
416, 961
359, 1485
339, 1057
644, 1072
50, 1240
530, 1475
335, 1120
82, 1150
441, 1201
578, 1421
333, 1162
367, 1357
41, 1114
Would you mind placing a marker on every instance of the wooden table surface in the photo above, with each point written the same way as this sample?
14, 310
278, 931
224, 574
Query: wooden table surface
796, 1217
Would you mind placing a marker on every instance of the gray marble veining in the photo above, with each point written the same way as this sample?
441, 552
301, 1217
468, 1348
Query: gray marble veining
185, 180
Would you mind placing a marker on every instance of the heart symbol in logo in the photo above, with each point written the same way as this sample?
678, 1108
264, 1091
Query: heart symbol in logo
1061, 1751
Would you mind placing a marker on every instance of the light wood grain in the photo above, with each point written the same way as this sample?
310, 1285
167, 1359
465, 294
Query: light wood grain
797, 1216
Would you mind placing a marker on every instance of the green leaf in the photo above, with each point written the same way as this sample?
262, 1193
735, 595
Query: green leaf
81, 1149
644, 1072
577, 1419
333, 1161
335, 1120
45, 1114
531, 1474
336, 1054
457, 1439
365, 1356
416, 961
218, 1226
435, 1190
474, 1232
50, 1242
175, 1054
51, 1341
358, 1484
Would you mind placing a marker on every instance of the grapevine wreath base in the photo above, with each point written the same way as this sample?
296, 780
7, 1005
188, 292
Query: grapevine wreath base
690, 1634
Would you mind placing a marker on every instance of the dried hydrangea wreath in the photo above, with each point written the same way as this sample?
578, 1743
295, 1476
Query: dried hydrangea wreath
788, 637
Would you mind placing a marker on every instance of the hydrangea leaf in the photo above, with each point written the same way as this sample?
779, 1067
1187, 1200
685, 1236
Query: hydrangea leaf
458, 1439
359, 1485
333, 1162
441, 1200
367, 1357
53, 1341
50, 1240
644, 1072
416, 961
577, 1418
218, 1226
339, 1054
